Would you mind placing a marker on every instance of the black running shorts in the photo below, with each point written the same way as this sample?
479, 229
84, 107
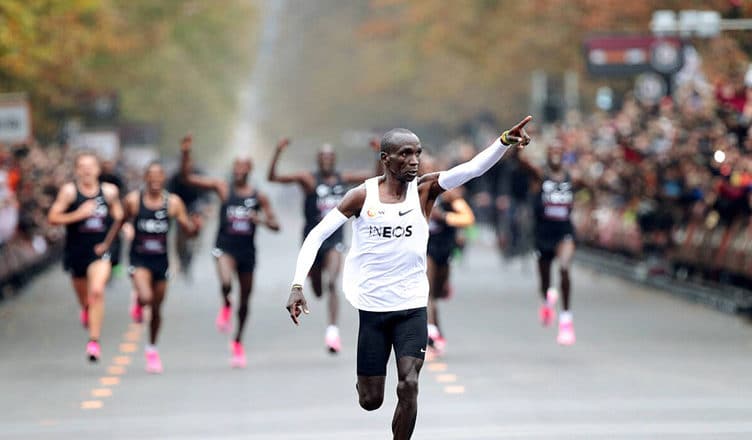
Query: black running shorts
245, 261
548, 235
405, 330
78, 264
158, 265
440, 251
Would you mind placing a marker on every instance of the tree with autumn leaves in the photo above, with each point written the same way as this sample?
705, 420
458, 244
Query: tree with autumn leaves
153, 53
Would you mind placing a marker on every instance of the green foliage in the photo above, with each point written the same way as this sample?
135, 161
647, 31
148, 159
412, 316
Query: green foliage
178, 63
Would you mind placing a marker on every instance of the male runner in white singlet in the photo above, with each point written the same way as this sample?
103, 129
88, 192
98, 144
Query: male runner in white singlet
385, 269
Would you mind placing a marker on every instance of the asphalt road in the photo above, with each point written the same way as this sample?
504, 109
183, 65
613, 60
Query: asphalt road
646, 365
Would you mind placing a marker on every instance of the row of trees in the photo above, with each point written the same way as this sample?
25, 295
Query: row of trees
174, 62
434, 63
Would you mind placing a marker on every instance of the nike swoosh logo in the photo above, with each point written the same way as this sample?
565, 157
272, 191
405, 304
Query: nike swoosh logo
401, 213
422, 350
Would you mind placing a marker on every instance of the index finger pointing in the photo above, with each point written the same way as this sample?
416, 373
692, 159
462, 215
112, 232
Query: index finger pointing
522, 123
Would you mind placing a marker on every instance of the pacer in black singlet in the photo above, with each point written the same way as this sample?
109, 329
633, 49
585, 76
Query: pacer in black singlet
323, 189
82, 236
151, 211
149, 246
327, 194
92, 215
450, 212
554, 237
243, 210
553, 210
237, 230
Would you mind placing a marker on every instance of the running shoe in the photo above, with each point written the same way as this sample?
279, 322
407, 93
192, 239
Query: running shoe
223, 319
238, 359
547, 311
546, 314
333, 343
84, 317
137, 313
153, 362
439, 345
93, 351
566, 333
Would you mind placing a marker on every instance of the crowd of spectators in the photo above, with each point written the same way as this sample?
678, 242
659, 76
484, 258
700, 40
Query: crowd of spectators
652, 171
658, 179
29, 179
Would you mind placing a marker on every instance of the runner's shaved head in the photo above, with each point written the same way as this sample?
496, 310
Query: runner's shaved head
396, 138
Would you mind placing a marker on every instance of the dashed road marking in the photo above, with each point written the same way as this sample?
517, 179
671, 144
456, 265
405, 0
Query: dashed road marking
122, 360
454, 389
436, 367
446, 378
115, 370
92, 404
101, 392
109, 380
128, 347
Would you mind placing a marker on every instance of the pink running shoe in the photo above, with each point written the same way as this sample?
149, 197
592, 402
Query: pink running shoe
566, 333
223, 319
84, 317
93, 351
439, 345
333, 343
238, 359
546, 314
137, 313
153, 362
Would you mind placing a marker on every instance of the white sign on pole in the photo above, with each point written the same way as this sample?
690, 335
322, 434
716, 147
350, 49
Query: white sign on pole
105, 143
15, 118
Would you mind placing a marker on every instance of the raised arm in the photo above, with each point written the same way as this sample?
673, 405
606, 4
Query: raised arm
65, 197
112, 196
535, 171
432, 184
348, 207
270, 220
360, 176
197, 180
303, 178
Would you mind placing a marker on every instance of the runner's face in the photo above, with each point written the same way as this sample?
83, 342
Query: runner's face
404, 161
554, 157
154, 178
241, 168
87, 169
327, 160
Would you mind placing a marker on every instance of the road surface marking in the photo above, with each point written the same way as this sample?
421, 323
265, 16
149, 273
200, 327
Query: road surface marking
115, 370
109, 381
128, 347
91, 404
101, 392
437, 367
454, 389
446, 378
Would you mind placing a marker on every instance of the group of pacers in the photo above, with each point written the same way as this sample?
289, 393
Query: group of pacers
94, 212
404, 224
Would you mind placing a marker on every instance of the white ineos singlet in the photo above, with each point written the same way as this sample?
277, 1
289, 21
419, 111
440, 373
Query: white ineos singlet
385, 269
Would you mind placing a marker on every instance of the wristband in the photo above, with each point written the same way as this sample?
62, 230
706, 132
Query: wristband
503, 138
298, 286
